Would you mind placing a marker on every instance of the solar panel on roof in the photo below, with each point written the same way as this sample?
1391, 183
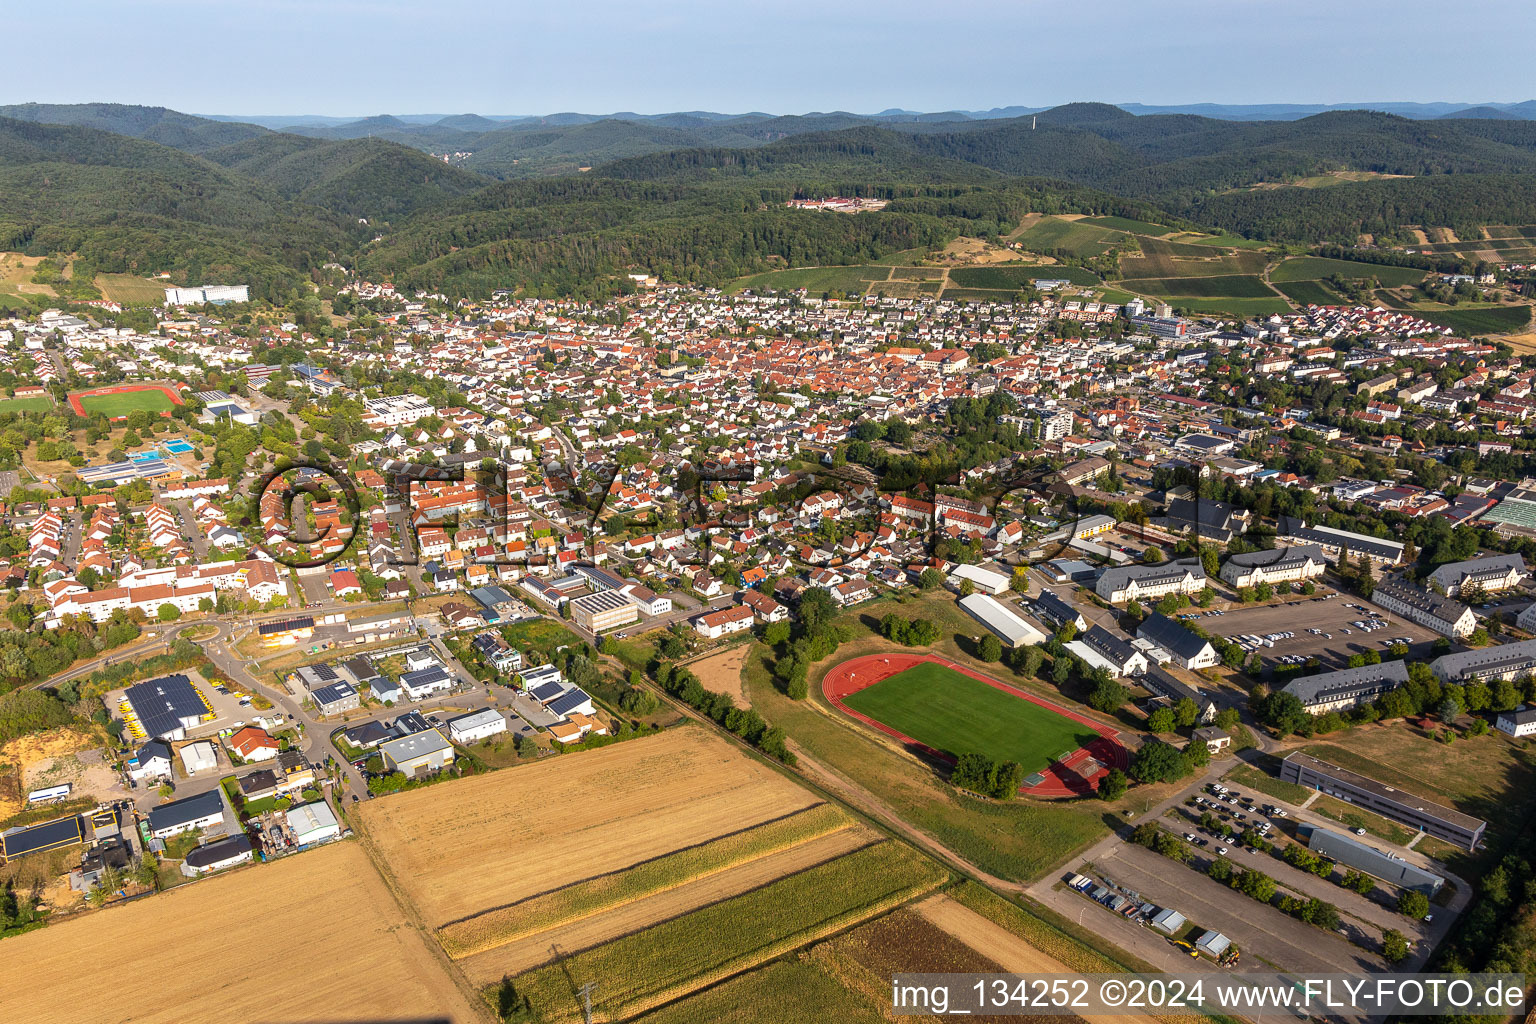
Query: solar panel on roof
286, 625
163, 706
49, 835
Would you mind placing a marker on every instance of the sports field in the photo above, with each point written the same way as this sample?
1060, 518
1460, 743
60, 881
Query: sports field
956, 714
117, 402
36, 403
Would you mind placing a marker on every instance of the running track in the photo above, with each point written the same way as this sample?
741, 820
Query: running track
1076, 775
122, 389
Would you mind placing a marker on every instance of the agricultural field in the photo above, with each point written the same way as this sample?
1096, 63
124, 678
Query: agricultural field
815, 279
37, 403
1305, 292
131, 290
1018, 277
1473, 321
980, 294
1234, 307
674, 958
1315, 268
563, 820
951, 712
1161, 259
1071, 236
1237, 286
1135, 227
200, 964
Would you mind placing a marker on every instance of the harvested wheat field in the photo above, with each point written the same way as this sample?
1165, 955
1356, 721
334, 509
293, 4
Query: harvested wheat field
528, 952
531, 830
722, 673
219, 950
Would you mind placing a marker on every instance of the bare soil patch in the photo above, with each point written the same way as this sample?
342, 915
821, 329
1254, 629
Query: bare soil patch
973, 252
28, 757
531, 829
217, 950
722, 672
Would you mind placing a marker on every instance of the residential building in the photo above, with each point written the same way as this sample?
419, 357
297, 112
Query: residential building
1183, 647
1347, 687
1162, 683
476, 726
1335, 542
1284, 565
1126, 583
1058, 611
226, 853
418, 753
724, 622
201, 811
1100, 648
1492, 575
1499, 661
336, 698
1519, 723
1444, 615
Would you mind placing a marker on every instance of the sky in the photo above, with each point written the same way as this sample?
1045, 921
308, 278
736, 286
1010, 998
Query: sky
361, 57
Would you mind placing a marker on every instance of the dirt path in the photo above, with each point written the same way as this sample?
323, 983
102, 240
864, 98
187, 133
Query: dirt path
1003, 947
535, 950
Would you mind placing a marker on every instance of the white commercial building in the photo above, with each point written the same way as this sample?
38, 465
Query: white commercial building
985, 580
476, 726
313, 823
1002, 620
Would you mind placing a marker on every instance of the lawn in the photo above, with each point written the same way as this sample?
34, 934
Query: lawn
1304, 292
1138, 227
952, 712
542, 635
1237, 286
1313, 268
1019, 277
126, 402
37, 403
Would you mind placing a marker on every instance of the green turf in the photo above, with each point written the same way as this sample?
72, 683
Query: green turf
952, 712
1237, 286
37, 403
1138, 227
126, 402
1312, 268
1303, 292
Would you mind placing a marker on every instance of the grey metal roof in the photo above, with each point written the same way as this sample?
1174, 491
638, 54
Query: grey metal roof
1171, 635
1348, 682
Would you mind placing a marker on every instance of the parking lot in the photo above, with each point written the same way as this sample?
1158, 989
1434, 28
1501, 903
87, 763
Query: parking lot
1334, 618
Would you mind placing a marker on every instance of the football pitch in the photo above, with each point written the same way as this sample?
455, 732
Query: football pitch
951, 712
118, 402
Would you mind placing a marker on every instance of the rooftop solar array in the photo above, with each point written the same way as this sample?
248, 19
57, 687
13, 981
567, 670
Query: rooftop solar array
162, 705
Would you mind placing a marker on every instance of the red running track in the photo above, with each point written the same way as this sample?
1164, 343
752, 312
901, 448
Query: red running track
121, 389
1078, 774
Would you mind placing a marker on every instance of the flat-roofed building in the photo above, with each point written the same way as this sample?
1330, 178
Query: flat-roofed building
476, 725
418, 753
1352, 853
604, 610
1412, 810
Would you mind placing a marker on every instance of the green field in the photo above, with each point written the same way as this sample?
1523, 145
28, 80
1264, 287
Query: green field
1304, 292
37, 403
952, 712
126, 402
1474, 321
1136, 227
1074, 237
980, 294
1313, 268
1019, 277
814, 279
1237, 286
540, 635
667, 961
917, 273
1226, 242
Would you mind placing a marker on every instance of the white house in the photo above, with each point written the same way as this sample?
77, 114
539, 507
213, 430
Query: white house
1519, 723
476, 726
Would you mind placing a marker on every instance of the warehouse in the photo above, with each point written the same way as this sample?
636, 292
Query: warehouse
1000, 619
1412, 810
39, 838
988, 581
166, 708
1355, 854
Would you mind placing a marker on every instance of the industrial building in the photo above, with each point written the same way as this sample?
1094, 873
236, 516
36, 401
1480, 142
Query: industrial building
988, 581
418, 753
166, 708
602, 611
1002, 620
1352, 853
1414, 811
313, 823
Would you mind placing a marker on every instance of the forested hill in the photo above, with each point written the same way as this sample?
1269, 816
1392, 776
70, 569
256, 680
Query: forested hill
157, 124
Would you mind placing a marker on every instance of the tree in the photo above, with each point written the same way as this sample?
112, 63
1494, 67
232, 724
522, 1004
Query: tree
991, 648
1019, 584
930, 579
1283, 712
1153, 556
1255, 884
1413, 904
1161, 721
1107, 695
1157, 761
1210, 561
1113, 785
1186, 712
967, 588
775, 633
1394, 946
19, 614
816, 608
168, 613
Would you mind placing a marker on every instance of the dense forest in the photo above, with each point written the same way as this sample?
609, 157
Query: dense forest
700, 198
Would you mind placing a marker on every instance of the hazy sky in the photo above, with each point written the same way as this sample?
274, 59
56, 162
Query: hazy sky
348, 57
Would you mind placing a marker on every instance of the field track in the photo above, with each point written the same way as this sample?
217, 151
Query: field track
1075, 775
122, 389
